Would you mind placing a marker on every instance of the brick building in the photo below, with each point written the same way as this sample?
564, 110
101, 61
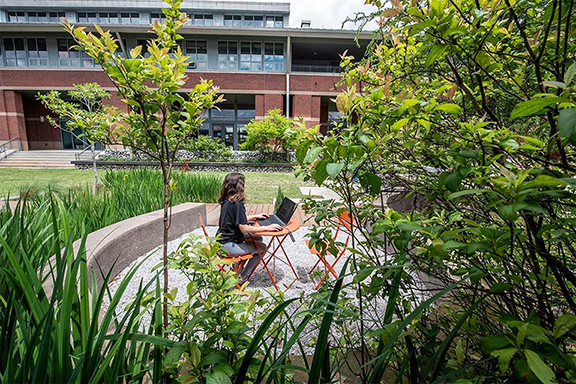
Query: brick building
247, 48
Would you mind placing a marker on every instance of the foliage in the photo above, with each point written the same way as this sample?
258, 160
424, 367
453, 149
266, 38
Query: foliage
125, 194
274, 133
52, 326
279, 198
458, 159
84, 112
212, 327
210, 148
161, 119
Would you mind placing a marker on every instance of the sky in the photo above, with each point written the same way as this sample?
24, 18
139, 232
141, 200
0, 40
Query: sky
325, 13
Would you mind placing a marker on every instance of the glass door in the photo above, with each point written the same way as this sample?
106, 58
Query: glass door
225, 132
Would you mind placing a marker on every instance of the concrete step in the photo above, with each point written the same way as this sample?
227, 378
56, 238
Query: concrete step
39, 159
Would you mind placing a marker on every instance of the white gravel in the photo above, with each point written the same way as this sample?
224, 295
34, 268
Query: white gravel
301, 259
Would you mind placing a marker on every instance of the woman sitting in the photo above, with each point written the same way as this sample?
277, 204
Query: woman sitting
237, 235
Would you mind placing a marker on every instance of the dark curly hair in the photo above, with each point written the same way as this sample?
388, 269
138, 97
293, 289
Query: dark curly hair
233, 188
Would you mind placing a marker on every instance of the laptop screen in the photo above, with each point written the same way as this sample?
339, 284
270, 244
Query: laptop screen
286, 210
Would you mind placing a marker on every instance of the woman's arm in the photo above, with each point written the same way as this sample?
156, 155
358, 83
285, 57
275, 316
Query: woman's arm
258, 216
245, 228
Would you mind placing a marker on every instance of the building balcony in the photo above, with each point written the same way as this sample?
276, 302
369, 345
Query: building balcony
316, 68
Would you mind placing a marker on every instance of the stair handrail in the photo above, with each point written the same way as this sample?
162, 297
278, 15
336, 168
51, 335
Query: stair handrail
4, 146
78, 156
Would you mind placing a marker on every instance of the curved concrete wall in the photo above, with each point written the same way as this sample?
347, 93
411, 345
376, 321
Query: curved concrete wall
116, 246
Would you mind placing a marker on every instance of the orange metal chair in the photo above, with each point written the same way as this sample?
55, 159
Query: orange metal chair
344, 220
238, 260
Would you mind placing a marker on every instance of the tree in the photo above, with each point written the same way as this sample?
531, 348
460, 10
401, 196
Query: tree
274, 133
470, 107
84, 111
161, 118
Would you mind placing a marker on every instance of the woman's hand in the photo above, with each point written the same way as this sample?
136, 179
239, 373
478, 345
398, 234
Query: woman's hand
260, 216
273, 228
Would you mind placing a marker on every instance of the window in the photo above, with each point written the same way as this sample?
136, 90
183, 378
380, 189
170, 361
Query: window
248, 21
198, 53
108, 17
259, 21
207, 20
278, 22
269, 21
17, 17
274, 56
37, 52
227, 55
68, 57
251, 56
37, 17
15, 52
56, 17
233, 20
155, 16
87, 17
130, 18
334, 119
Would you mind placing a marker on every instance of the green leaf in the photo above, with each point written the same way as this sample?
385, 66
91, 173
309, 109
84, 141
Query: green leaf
508, 212
540, 369
312, 154
217, 377
320, 174
504, 356
452, 181
537, 334
494, 342
449, 108
564, 324
333, 169
554, 84
500, 287
371, 182
534, 106
434, 54
567, 124
466, 192
570, 72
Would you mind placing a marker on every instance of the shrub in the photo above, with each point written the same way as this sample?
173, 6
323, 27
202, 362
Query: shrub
210, 148
275, 133
52, 326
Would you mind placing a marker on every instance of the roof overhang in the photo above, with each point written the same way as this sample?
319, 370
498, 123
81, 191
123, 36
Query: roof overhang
198, 30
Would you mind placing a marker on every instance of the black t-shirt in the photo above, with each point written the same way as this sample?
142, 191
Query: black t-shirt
231, 215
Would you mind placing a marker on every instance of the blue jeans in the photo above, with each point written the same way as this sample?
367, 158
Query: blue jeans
239, 249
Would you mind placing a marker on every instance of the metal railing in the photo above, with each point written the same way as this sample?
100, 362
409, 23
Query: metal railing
15, 144
316, 68
78, 156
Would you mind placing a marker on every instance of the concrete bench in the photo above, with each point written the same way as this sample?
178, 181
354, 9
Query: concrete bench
116, 246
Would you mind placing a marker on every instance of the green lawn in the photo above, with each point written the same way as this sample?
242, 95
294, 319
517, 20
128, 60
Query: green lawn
261, 187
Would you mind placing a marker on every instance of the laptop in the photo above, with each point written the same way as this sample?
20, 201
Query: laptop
282, 215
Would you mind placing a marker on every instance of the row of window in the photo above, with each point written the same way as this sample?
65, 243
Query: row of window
232, 55
256, 21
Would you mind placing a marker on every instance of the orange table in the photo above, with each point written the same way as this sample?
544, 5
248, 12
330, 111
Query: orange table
270, 256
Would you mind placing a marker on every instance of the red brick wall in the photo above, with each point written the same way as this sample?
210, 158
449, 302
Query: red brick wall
12, 124
264, 103
308, 107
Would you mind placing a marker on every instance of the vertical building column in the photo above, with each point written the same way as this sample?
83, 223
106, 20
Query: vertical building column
12, 119
307, 107
264, 103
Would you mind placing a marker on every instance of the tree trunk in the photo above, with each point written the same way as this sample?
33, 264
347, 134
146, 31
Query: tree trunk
95, 169
165, 243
